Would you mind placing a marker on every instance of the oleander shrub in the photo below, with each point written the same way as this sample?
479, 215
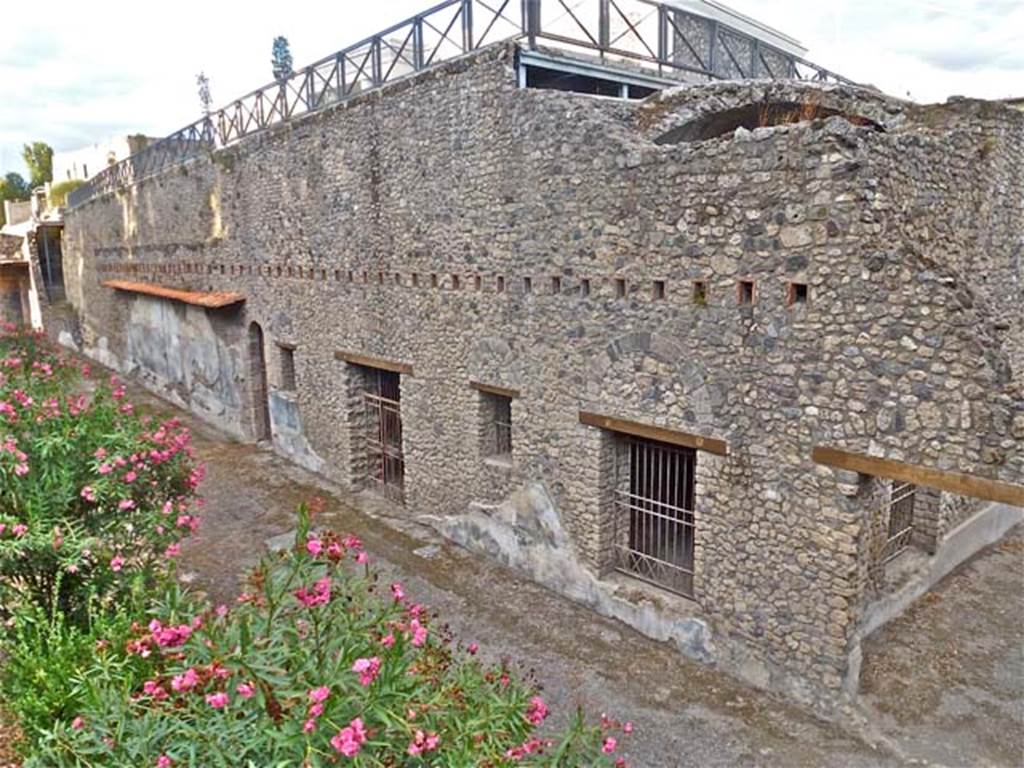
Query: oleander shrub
43, 658
93, 497
316, 664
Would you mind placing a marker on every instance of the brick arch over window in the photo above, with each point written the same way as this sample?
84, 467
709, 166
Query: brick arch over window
660, 373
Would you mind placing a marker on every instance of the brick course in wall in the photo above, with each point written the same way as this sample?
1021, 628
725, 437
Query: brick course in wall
404, 225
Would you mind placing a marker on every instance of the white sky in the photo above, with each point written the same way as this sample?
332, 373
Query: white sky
74, 72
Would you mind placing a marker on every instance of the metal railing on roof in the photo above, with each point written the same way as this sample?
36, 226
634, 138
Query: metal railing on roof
672, 41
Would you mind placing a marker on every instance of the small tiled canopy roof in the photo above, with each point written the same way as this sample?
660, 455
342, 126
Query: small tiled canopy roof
211, 300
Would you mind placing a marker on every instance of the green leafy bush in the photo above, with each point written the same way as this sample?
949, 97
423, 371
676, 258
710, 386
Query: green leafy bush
315, 665
91, 495
44, 658
59, 192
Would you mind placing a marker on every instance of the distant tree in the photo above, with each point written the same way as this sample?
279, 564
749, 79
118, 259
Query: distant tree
282, 58
38, 158
12, 187
15, 187
205, 99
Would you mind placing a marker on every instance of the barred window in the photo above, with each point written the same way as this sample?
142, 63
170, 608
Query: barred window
497, 426
287, 368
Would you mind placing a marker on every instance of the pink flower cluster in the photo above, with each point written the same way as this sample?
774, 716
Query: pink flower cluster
334, 549
320, 594
537, 712
171, 637
10, 445
367, 669
423, 742
350, 739
317, 697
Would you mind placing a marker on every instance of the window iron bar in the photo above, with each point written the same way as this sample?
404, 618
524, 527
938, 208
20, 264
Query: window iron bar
654, 523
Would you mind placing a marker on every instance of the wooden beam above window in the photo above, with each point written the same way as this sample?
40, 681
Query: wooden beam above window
944, 480
492, 389
650, 432
374, 362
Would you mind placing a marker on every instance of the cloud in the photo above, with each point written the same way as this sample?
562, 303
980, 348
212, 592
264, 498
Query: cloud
96, 70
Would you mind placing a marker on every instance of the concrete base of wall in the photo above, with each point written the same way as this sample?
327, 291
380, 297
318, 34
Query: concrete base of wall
289, 439
525, 533
966, 540
970, 537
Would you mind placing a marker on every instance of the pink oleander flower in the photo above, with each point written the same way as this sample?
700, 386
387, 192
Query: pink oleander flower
397, 592
105, 469
130, 477
172, 551
473, 648
309, 726
362, 558
367, 669
245, 690
19, 529
627, 727
537, 711
21, 469
77, 724
101, 453
217, 700
609, 745
315, 710
349, 740
314, 547
89, 494
164, 762
116, 563
186, 681
320, 594
154, 689
388, 640
319, 695
419, 632
423, 742
125, 504
169, 637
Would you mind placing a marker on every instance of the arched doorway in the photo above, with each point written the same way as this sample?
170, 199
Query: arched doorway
258, 383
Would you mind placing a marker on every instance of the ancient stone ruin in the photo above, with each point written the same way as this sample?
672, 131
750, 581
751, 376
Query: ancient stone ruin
738, 362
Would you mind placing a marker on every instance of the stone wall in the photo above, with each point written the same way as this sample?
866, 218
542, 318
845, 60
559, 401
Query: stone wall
550, 243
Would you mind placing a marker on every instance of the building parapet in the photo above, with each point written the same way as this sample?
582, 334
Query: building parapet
667, 40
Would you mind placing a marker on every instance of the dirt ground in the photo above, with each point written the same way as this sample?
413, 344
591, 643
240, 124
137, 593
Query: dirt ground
943, 685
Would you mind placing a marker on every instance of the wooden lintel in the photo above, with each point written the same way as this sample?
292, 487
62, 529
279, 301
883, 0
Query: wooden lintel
650, 432
491, 389
944, 480
374, 362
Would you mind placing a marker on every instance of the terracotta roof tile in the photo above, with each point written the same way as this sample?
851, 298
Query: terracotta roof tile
210, 300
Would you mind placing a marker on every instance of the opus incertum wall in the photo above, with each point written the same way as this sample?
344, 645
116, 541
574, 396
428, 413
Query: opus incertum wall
851, 281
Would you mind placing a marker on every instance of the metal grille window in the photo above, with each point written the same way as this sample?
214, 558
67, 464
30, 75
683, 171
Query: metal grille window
498, 427
385, 460
901, 520
654, 518
287, 368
